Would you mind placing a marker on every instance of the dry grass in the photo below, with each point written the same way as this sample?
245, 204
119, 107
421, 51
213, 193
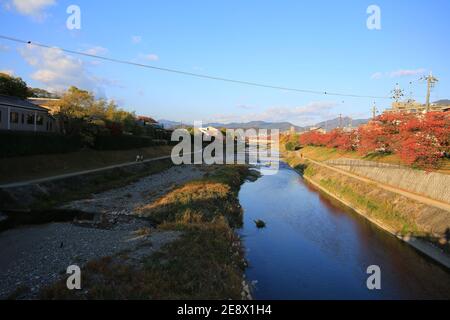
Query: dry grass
206, 262
201, 201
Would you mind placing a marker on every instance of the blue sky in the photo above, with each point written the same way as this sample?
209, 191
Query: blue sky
317, 45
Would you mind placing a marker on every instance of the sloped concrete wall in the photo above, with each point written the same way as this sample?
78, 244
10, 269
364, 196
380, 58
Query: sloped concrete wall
433, 185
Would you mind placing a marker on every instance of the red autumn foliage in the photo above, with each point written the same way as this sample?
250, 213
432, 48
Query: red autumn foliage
419, 139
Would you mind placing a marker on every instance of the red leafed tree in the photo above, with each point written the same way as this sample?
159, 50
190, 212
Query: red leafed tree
373, 138
425, 140
347, 141
419, 139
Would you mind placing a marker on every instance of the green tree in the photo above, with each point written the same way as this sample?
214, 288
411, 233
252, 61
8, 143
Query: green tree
13, 86
73, 109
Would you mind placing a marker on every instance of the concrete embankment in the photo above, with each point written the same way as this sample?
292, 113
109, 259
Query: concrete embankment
431, 184
423, 226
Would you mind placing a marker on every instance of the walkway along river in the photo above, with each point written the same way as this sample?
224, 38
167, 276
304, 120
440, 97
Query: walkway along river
315, 248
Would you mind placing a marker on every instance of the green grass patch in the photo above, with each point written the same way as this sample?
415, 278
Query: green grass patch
376, 208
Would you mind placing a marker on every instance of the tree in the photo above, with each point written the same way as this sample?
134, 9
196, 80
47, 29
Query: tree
41, 93
13, 86
72, 109
425, 140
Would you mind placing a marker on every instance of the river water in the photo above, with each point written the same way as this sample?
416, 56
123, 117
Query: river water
314, 248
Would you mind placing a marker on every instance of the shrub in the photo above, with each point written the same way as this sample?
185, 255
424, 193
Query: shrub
15, 143
122, 142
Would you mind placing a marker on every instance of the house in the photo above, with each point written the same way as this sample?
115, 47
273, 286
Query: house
145, 121
51, 104
21, 115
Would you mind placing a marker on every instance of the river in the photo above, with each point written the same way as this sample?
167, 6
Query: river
315, 248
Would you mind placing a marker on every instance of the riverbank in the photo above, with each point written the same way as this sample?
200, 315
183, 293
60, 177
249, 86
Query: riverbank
422, 226
205, 261
17, 169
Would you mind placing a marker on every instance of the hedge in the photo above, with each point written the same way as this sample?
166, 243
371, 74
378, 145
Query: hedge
22, 143
123, 142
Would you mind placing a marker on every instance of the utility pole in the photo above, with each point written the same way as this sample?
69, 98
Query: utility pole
431, 82
340, 120
374, 111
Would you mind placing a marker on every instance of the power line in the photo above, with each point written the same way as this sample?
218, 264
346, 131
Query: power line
186, 73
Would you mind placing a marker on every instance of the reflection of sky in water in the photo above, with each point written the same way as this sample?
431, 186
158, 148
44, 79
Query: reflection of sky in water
313, 248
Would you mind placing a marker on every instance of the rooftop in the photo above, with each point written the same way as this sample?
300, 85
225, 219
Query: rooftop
19, 103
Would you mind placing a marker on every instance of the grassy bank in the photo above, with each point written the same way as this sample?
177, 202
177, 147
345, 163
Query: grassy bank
44, 206
84, 187
41, 166
395, 213
206, 262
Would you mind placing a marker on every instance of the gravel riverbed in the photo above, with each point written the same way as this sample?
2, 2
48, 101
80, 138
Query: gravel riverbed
33, 257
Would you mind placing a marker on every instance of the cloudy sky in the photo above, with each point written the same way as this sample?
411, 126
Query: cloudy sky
316, 45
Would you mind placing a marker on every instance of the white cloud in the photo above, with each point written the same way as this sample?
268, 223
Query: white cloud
33, 8
8, 72
4, 48
58, 71
377, 75
96, 51
150, 57
244, 107
406, 73
136, 39
310, 113
398, 73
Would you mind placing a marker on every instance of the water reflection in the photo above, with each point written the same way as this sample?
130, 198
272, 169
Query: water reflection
314, 248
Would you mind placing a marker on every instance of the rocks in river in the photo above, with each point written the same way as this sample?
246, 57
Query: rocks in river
260, 224
253, 175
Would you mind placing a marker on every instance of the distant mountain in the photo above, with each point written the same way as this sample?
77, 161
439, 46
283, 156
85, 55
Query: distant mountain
443, 102
282, 126
335, 123
168, 124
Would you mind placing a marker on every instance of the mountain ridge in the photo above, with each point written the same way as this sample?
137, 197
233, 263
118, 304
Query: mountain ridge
282, 126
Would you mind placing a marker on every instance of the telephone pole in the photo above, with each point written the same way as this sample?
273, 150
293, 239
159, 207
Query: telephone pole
431, 82
374, 111
340, 120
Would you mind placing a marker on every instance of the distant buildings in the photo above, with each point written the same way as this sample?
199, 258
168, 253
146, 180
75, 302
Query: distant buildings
318, 129
411, 106
21, 115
